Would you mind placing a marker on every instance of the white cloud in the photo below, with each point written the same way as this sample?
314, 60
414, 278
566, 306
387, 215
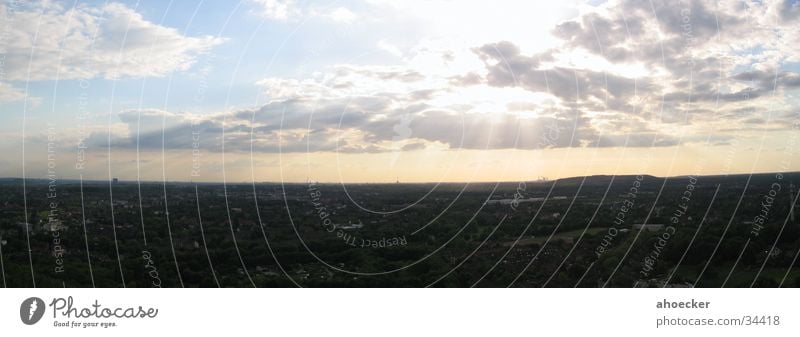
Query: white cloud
289, 10
10, 94
389, 48
46, 41
614, 72
281, 10
341, 15
473, 22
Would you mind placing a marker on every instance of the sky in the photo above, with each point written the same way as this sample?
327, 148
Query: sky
385, 91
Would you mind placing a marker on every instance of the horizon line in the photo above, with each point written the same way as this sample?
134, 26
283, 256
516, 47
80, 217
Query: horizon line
397, 182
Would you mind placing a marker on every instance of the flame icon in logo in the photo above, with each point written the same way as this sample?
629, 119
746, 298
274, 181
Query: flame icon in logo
31, 310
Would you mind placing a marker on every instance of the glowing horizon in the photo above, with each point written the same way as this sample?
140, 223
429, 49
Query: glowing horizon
376, 91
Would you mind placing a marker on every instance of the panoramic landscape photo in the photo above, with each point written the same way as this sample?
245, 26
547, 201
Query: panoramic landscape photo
420, 143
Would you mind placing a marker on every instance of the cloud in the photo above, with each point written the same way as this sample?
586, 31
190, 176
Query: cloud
669, 62
9, 93
47, 41
280, 10
371, 109
290, 10
769, 79
789, 10
622, 74
149, 120
341, 15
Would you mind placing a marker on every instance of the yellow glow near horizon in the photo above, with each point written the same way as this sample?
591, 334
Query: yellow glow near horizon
444, 165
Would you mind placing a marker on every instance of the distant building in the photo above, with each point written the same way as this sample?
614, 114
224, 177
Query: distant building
648, 227
774, 252
521, 200
115, 181
351, 225
54, 226
24, 226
